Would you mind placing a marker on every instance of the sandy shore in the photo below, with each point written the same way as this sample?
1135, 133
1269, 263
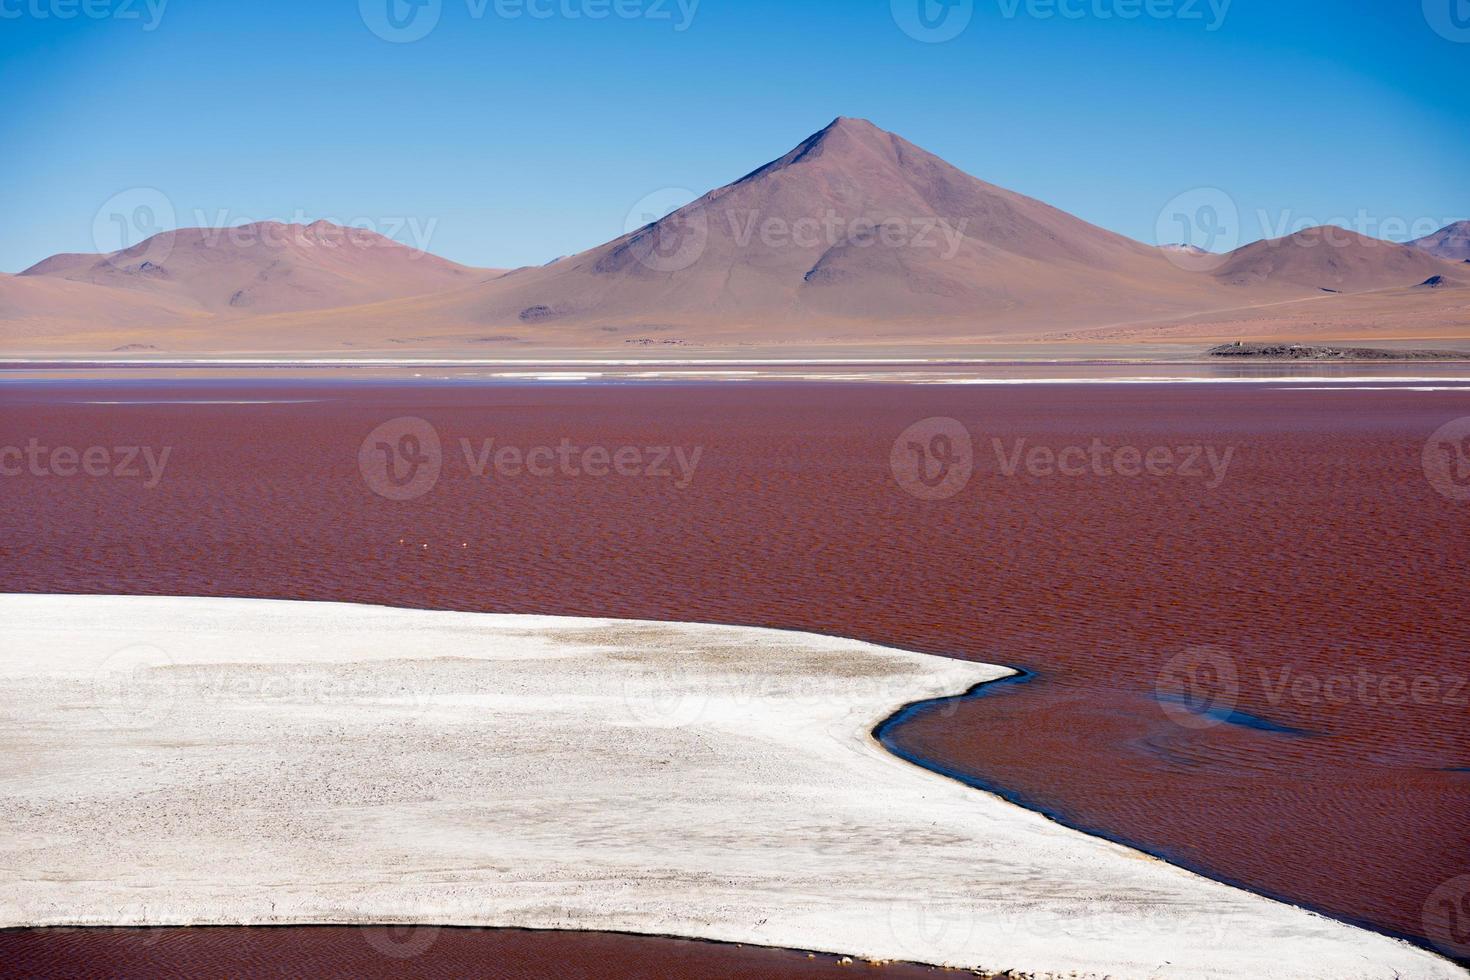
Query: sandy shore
208, 761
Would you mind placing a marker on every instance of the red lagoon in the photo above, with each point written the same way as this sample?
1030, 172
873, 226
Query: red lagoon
1245, 608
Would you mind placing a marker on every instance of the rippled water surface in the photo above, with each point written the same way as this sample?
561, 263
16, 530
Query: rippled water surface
348, 952
1264, 679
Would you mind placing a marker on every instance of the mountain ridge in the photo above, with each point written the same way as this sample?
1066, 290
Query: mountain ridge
854, 236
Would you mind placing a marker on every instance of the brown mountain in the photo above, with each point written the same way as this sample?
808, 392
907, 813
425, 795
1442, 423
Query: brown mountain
1328, 258
854, 238
854, 234
265, 267
1451, 242
34, 309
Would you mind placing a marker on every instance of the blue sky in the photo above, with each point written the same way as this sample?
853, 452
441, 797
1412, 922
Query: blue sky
504, 138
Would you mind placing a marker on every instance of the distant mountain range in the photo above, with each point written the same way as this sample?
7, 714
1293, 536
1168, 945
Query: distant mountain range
856, 238
1451, 243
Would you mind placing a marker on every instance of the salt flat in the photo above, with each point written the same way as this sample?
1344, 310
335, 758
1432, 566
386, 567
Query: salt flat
217, 761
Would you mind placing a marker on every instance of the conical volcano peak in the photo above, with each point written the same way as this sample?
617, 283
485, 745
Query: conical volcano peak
844, 143
853, 127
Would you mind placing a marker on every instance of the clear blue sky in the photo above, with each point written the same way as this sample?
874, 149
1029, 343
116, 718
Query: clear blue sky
520, 138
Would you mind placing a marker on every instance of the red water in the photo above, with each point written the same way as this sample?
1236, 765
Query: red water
1323, 557
352, 953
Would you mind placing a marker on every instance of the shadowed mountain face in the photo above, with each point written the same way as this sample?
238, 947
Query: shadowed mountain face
1328, 258
854, 224
265, 267
856, 236
1452, 242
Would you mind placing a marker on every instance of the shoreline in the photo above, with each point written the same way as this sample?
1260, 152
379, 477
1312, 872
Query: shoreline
1072, 858
367, 944
1248, 371
886, 733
